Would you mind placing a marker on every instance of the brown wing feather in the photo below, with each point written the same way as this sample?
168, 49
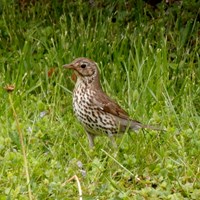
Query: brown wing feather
108, 105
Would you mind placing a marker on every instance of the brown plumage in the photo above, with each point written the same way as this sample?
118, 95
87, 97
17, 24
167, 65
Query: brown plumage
98, 113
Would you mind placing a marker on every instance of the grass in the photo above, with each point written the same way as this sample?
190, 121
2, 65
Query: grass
149, 62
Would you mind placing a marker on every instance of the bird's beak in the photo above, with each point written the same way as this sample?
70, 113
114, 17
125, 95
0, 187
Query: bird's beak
69, 66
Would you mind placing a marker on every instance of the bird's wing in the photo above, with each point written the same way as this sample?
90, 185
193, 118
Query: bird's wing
105, 103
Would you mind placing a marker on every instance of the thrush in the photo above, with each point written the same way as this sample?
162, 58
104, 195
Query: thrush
97, 112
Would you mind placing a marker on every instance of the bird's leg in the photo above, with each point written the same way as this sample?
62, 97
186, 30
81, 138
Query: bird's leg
91, 139
112, 139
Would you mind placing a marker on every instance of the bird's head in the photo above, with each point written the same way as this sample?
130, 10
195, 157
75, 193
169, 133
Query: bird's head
86, 69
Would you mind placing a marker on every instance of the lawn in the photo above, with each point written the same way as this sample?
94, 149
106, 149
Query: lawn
149, 63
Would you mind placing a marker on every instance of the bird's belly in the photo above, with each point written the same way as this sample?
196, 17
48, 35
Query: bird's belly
93, 119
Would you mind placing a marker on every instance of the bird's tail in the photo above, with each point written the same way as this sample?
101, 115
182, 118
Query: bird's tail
135, 125
126, 124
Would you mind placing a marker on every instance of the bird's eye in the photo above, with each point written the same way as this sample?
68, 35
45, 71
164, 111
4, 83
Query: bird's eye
83, 65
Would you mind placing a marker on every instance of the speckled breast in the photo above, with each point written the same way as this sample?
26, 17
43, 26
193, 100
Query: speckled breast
95, 120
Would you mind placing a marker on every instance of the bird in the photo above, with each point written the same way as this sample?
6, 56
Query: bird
94, 109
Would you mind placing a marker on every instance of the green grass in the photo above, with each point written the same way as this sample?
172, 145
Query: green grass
149, 62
